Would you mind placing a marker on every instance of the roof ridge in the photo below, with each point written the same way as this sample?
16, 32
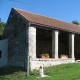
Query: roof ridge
47, 21
44, 16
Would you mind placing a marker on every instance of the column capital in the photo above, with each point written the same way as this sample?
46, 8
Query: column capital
57, 31
72, 34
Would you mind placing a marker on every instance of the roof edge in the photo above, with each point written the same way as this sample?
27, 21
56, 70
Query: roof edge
52, 27
44, 16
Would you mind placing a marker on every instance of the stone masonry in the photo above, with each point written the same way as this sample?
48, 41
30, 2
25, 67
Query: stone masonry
22, 41
16, 31
32, 41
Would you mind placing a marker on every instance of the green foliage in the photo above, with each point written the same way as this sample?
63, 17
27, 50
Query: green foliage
46, 54
42, 55
58, 72
75, 22
2, 25
64, 55
12, 73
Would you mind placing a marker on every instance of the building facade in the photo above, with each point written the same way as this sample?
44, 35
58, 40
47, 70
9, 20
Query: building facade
30, 34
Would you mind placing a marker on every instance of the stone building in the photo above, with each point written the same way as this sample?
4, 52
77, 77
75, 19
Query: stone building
32, 34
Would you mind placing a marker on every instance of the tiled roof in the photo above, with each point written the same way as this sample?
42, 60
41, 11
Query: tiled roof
50, 22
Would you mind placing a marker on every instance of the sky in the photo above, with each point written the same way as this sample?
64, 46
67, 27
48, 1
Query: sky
65, 10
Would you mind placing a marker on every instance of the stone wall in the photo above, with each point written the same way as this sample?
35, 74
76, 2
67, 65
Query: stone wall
15, 31
36, 63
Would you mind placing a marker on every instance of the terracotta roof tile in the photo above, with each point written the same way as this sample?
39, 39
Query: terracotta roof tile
39, 19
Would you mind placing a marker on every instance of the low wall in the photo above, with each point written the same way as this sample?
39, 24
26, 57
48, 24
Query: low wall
3, 52
36, 63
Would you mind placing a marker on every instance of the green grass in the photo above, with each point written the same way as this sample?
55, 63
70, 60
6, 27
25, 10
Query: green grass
59, 72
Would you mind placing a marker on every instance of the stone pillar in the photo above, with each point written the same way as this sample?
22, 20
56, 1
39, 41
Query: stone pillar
71, 45
55, 44
32, 41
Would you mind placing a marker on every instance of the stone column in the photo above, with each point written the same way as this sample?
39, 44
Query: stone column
71, 45
32, 41
55, 44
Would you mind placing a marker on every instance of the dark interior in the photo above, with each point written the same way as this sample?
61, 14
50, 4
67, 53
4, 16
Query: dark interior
44, 43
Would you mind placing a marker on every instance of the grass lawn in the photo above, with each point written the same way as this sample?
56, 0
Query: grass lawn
59, 72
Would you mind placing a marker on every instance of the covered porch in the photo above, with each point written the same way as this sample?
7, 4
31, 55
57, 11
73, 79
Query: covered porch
54, 42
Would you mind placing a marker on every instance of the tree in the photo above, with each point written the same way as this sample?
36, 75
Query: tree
2, 25
75, 22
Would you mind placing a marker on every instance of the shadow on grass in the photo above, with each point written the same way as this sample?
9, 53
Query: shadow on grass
10, 70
